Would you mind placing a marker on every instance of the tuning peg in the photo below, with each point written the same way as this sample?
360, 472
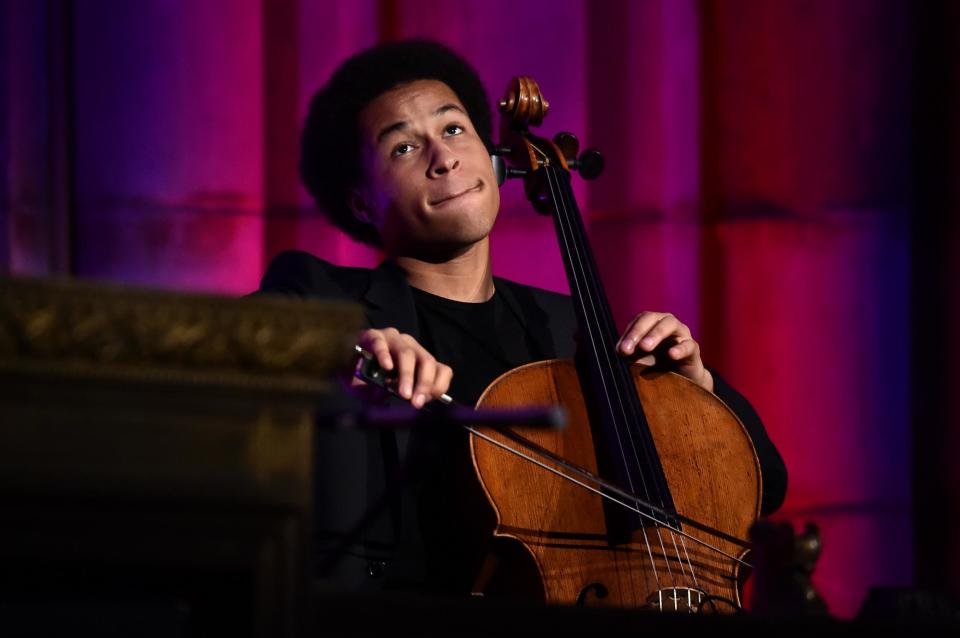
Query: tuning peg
590, 164
499, 168
504, 172
568, 144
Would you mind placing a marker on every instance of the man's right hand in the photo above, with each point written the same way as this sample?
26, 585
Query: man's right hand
419, 376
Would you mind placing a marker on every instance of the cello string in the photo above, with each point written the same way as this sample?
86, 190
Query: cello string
569, 236
610, 339
598, 346
624, 383
693, 576
684, 544
616, 364
566, 236
680, 559
564, 208
603, 320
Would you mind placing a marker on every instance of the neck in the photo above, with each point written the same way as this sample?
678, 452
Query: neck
464, 277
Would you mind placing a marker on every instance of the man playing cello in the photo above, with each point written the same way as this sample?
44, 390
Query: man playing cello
396, 152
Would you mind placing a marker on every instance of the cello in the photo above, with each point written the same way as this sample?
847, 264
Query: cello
667, 525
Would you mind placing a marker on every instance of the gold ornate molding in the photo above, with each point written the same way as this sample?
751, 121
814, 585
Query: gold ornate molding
66, 327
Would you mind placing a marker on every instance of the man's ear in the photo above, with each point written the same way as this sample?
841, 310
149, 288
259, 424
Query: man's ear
359, 206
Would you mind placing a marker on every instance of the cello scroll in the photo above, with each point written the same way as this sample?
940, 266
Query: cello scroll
522, 107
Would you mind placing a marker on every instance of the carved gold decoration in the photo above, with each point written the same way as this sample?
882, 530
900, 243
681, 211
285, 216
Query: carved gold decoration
68, 327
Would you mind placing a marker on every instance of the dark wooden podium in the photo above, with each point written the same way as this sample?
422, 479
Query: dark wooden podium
155, 457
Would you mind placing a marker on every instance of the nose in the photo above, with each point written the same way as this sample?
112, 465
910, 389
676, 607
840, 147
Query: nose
443, 161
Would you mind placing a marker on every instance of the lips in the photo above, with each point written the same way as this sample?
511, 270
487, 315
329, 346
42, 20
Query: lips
448, 198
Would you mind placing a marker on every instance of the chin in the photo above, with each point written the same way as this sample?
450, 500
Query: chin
469, 229
461, 238
443, 244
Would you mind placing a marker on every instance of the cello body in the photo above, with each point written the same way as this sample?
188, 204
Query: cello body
710, 464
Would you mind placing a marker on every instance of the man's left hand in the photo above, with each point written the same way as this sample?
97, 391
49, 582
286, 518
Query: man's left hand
651, 331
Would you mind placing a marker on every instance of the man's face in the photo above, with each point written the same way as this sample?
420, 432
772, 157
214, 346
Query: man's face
429, 186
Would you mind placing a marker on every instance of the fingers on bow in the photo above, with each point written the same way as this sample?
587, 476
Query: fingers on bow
419, 376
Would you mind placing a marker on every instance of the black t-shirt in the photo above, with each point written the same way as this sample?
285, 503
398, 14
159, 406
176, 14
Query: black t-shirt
479, 341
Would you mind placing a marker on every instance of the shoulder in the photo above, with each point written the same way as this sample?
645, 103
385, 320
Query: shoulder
295, 272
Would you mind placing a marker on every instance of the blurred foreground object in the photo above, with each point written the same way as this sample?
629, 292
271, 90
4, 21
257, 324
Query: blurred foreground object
155, 455
783, 567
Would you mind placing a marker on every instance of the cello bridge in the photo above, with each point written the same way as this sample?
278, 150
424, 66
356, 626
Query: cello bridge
677, 599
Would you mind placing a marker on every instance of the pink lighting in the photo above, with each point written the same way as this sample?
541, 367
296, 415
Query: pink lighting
759, 186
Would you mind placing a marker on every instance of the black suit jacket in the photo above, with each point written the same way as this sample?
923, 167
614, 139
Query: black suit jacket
357, 467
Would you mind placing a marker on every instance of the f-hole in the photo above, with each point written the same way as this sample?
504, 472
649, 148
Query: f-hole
600, 591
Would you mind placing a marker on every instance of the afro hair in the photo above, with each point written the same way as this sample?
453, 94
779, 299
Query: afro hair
330, 146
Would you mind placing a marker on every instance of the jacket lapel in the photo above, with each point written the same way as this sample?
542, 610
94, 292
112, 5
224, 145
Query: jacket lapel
389, 302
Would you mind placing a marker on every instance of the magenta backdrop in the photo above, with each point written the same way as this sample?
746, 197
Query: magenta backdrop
757, 187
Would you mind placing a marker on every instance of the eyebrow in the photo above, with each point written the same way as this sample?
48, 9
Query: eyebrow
401, 125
